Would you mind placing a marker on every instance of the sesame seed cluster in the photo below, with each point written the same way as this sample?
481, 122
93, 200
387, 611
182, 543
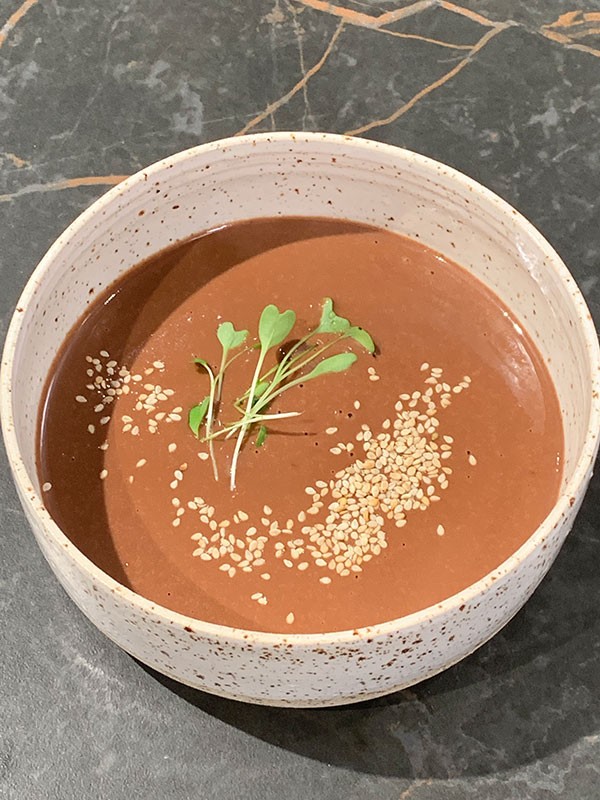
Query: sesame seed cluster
108, 380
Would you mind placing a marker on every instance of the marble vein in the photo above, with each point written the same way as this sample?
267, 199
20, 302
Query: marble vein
16, 160
369, 20
298, 32
566, 30
15, 18
65, 183
298, 86
427, 90
572, 26
379, 22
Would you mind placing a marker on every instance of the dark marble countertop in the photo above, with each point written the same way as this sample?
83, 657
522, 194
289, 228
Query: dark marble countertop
506, 91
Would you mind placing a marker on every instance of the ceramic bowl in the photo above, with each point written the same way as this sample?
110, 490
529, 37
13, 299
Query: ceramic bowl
330, 176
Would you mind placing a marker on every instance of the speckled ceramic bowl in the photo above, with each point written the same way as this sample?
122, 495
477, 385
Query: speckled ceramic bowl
331, 176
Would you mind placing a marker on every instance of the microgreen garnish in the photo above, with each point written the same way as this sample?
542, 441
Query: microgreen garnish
302, 362
197, 415
230, 339
261, 436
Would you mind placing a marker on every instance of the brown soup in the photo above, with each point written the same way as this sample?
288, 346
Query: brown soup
403, 479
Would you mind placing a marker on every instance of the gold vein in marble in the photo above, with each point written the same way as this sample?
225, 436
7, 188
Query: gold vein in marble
369, 20
16, 160
378, 123
15, 18
377, 23
567, 30
65, 183
573, 26
298, 86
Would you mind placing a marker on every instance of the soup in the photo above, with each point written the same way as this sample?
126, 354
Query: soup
385, 484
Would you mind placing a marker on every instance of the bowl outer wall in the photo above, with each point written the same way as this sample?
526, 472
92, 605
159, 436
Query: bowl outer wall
312, 669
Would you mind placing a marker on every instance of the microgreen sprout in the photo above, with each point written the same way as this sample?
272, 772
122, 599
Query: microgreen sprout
302, 362
230, 339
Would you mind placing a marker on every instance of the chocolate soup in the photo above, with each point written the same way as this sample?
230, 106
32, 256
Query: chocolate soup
401, 480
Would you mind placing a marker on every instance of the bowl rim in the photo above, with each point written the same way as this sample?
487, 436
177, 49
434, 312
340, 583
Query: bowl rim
562, 507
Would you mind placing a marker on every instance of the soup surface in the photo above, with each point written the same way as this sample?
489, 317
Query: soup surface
402, 480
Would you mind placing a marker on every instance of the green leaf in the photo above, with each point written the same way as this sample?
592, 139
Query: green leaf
274, 326
202, 362
330, 321
362, 337
338, 363
197, 414
261, 436
229, 337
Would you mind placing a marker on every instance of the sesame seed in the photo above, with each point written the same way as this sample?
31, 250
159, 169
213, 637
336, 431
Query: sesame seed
290, 618
104, 354
141, 462
331, 431
440, 530
357, 404
46, 486
373, 377
176, 522
325, 579
267, 510
256, 595
130, 479
91, 428
103, 446
178, 474
424, 366
472, 460
203, 456
335, 450
103, 474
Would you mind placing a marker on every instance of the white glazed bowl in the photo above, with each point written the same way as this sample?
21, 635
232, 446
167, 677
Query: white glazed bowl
330, 176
